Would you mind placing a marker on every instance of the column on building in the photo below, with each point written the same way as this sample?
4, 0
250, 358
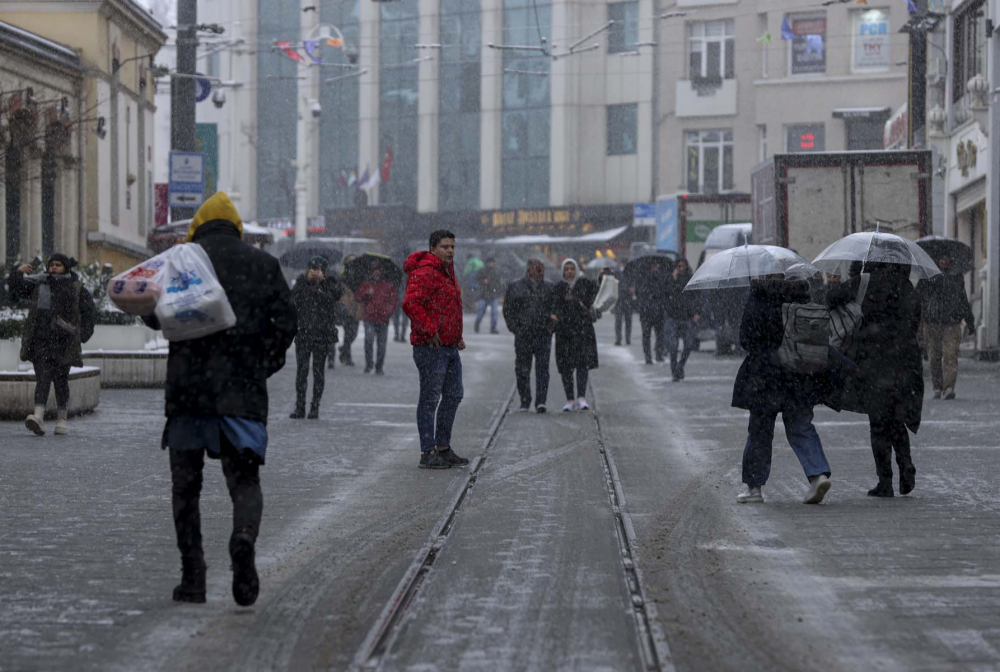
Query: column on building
491, 107
429, 103
339, 130
399, 94
368, 108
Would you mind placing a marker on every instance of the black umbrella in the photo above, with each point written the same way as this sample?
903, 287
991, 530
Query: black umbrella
642, 267
299, 256
359, 269
940, 246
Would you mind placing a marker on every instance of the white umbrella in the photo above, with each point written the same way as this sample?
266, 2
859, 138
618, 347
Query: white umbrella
602, 262
737, 266
874, 247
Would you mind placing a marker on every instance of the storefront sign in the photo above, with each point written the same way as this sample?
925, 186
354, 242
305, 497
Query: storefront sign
561, 219
871, 40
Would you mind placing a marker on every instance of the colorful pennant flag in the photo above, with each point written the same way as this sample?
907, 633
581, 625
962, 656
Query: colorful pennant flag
912, 7
286, 46
342, 179
364, 178
335, 42
786, 30
387, 164
312, 50
353, 179
764, 39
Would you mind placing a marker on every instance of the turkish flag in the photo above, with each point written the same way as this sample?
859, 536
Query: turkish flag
386, 165
286, 46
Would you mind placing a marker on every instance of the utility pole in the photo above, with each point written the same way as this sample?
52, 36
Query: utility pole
655, 136
988, 340
182, 89
917, 78
308, 113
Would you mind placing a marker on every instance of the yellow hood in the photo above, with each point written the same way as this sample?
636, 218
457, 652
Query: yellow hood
217, 207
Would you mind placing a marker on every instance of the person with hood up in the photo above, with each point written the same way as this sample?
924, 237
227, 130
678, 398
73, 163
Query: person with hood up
378, 298
576, 340
945, 305
766, 388
434, 305
682, 317
216, 397
527, 308
889, 384
316, 296
61, 319
650, 293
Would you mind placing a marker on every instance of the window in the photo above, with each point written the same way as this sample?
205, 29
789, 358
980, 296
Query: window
872, 43
711, 50
762, 135
458, 121
339, 125
969, 47
399, 30
709, 161
624, 35
801, 138
807, 55
526, 106
212, 64
623, 125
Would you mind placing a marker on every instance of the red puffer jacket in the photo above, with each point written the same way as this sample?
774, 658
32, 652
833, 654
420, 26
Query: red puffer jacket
433, 300
379, 305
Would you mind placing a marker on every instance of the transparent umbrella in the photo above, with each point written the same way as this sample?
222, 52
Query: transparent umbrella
874, 247
737, 266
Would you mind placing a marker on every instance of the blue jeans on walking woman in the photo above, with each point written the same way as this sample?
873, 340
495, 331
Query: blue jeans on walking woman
441, 392
801, 435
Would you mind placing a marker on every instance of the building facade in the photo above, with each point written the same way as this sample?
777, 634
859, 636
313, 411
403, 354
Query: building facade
43, 122
115, 40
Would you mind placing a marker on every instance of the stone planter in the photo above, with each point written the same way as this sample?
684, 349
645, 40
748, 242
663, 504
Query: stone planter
129, 368
17, 393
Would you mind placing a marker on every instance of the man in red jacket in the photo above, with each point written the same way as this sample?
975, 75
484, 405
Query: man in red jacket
378, 299
434, 305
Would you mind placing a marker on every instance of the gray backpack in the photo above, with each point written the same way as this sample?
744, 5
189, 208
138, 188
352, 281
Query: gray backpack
805, 345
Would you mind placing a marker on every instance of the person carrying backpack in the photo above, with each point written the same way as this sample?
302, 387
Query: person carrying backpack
766, 387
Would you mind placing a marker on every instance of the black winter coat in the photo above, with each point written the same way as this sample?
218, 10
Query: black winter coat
651, 296
763, 385
316, 308
70, 304
576, 340
890, 379
489, 284
681, 305
944, 300
226, 373
527, 307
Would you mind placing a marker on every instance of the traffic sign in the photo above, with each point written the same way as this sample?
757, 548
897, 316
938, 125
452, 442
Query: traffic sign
187, 179
204, 88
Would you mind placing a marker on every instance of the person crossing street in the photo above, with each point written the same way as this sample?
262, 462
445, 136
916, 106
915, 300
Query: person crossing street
316, 296
378, 298
488, 287
527, 310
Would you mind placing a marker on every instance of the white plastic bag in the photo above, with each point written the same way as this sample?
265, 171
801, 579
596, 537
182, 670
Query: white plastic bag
607, 295
193, 303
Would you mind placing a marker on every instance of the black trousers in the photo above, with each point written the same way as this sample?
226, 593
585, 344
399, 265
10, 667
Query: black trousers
242, 472
375, 334
582, 376
49, 372
623, 317
350, 335
528, 347
651, 323
399, 323
317, 351
889, 434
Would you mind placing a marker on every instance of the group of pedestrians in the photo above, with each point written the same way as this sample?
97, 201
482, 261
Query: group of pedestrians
668, 312
880, 376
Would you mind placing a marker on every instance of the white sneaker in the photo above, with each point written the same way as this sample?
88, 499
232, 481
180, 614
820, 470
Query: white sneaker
818, 490
749, 495
582, 405
541, 408
569, 407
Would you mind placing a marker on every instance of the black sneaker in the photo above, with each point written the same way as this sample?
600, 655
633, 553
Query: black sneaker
313, 413
246, 583
431, 459
541, 408
452, 457
298, 414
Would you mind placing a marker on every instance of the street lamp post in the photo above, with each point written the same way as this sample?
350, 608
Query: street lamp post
989, 332
182, 89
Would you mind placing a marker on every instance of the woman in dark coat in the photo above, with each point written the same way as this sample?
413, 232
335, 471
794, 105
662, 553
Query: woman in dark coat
576, 340
889, 385
61, 319
765, 388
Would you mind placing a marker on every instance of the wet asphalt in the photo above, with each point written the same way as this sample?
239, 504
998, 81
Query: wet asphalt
530, 576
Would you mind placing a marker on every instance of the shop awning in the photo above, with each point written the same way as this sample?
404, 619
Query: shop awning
596, 237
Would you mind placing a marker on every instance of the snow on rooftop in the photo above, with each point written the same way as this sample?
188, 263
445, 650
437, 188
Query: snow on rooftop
32, 37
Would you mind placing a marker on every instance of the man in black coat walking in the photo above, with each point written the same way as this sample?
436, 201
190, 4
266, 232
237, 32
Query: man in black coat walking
527, 310
316, 296
216, 397
682, 316
651, 295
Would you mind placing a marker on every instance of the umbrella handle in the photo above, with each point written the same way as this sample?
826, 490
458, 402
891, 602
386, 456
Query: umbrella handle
871, 242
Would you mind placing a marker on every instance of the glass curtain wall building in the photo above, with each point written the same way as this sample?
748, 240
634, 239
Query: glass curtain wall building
277, 112
526, 105
339, 142
399, 32
458, 119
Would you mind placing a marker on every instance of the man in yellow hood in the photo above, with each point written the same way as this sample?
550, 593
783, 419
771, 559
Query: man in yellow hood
216, 398
217, 208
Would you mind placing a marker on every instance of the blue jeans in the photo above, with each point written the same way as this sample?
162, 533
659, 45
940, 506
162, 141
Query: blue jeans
801, 435
441, 392
494, 305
